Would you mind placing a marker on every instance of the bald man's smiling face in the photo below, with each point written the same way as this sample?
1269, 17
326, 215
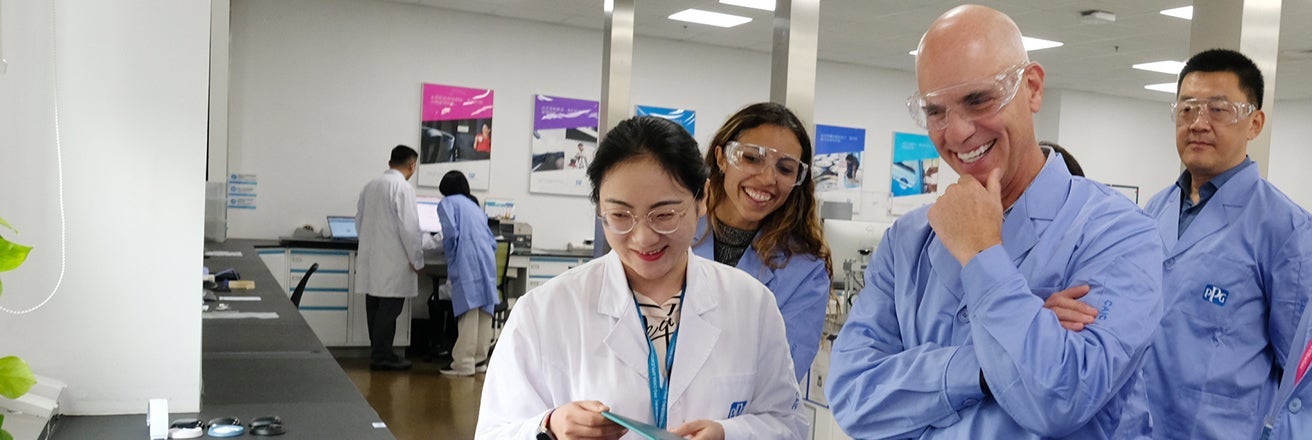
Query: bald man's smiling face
972, 67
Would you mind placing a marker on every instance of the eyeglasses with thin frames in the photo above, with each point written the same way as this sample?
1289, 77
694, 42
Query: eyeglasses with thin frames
1219, 112
754, 159
969, 101
622, 221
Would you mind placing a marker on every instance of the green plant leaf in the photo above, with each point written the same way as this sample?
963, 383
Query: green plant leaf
7, 225
12, 254
15, 377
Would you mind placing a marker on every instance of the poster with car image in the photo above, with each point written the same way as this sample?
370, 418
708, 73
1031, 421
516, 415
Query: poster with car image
563, 143
455, 133
836, 167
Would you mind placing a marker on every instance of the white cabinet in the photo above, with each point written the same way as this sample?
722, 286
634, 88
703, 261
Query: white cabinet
543, 268
330, 305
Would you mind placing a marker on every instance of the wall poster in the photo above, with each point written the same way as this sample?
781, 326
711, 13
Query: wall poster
917, 171
455, 134
686, 118
563, 142
915, 165
836, 167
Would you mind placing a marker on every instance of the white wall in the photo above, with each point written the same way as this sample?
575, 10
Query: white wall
132, 75
1119, 141
1291, 150
322, 89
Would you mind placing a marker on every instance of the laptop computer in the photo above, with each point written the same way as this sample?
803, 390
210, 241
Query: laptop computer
342, 227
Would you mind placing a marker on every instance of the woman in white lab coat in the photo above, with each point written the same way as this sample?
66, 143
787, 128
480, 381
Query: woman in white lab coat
649, 331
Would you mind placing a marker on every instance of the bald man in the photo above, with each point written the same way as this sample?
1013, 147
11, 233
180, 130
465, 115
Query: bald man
951, 338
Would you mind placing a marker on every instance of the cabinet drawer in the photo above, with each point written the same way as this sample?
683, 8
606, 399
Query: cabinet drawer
551, 266
325, 299
329, 279
328, 325
329, 260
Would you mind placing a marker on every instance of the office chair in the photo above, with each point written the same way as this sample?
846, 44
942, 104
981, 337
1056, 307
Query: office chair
501, 312
300, 287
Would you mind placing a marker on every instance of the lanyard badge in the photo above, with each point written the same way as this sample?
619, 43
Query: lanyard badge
659, 386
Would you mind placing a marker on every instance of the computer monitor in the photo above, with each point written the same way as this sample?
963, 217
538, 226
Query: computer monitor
428, 220
342, 227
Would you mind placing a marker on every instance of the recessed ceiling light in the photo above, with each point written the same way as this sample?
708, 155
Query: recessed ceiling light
1186, 12
1163, 87
1168, 66
709, 18
1030, 44
764, 5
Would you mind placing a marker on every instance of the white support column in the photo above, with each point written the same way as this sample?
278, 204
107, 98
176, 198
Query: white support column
616, 81
792, 70
1253, 28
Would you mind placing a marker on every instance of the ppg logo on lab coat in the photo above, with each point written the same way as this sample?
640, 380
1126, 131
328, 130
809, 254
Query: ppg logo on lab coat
736, 408
1215, 295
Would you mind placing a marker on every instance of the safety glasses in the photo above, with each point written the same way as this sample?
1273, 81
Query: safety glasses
1218, 112
969, 101
755, 159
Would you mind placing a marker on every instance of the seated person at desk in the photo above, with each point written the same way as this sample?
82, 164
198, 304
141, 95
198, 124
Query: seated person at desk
604, 336
471, 255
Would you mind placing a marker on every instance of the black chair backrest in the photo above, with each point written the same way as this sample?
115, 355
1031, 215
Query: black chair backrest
300, 287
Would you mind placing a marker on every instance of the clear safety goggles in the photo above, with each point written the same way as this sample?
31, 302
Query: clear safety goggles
1219, 112
754, 159
970, 101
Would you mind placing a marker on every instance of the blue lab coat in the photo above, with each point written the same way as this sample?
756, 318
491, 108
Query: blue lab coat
908, 361
801, 289
471, 254
1235, 284
1288, 419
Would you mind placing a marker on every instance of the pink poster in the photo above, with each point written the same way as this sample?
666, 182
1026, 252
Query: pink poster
455, 134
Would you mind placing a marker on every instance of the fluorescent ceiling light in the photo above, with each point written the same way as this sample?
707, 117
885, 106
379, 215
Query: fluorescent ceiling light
1030, 44
764, 5
1039, 43
1186, 12
709, 18
1163, 87
1168, 66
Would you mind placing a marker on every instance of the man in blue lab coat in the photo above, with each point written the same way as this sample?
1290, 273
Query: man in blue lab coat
1238, 262
950, 338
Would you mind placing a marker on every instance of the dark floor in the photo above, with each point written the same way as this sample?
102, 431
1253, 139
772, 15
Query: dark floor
420, 403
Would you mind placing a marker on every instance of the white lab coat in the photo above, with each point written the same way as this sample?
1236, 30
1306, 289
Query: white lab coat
578, 337
391, 243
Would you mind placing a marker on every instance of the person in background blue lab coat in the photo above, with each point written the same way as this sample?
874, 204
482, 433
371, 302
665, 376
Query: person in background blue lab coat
471, 261
951, 338
761, 206
1287, 420
1238, 265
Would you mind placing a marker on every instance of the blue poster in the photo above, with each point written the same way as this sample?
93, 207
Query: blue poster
838, 151
915, 165
686, 118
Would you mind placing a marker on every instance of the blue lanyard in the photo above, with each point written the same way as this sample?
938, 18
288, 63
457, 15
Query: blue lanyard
659, 386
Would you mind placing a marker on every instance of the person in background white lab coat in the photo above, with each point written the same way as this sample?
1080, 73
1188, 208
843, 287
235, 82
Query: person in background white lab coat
391, 253
649, 331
